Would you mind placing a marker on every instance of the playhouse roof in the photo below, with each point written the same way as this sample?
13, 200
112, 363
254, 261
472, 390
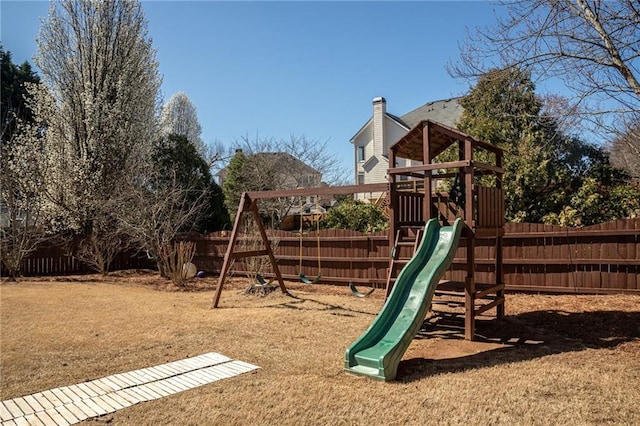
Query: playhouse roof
440, 138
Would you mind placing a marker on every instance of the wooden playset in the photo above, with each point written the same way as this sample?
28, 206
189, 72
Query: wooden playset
473, 175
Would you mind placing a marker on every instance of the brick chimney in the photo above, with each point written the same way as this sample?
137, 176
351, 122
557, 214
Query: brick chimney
379, 110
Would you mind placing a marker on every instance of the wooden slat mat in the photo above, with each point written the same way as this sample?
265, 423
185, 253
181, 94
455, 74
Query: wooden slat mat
71, 404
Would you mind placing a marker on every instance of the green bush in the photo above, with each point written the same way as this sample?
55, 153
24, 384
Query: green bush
356, 216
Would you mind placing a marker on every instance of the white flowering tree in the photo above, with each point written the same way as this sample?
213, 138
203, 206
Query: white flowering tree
179, 117
101, 77
22, 225
21, 204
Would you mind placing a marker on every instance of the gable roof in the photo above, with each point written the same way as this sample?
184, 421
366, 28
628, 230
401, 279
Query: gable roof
282, 161
285, 161
446, 111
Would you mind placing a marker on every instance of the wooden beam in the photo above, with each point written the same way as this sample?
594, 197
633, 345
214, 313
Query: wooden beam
429, 167
427, 205
487, 291
469, 292
470, 280
490, 167
498, 302
252, 253
322, 190
245, 201
393, 214
267, 245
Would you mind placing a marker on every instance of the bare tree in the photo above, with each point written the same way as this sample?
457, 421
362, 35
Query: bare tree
175, 257
106, 239
593, 46
169, 209
564, 113
317, 155
179, 117
625, 150
311, 153
273, 164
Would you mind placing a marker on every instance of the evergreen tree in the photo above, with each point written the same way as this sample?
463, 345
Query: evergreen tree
235, 182
177, 161
14, 93
549, 177
502, 109
356, 216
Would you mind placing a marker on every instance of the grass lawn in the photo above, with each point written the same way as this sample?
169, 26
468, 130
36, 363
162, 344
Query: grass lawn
553, 360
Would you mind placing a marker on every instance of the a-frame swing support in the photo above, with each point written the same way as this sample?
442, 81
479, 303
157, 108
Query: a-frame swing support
247, 205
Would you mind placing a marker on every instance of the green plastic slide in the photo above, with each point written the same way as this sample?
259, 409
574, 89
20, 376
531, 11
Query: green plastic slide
379, 350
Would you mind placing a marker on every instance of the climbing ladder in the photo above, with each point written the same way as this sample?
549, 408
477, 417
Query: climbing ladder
405, 245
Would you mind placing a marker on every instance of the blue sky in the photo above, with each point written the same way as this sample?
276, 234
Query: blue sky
277, 68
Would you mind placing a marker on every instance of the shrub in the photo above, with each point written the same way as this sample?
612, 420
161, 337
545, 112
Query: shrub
356, 216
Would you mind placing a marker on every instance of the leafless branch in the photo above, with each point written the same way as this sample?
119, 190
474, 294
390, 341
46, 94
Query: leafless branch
592, 46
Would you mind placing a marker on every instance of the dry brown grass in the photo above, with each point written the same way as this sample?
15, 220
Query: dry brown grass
554, 360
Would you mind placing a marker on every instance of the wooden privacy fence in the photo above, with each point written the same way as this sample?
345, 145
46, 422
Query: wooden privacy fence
55, 260
597, 259
345, 256
602, 258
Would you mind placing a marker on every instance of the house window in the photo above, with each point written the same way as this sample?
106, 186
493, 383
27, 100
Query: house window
360, 178
360, 153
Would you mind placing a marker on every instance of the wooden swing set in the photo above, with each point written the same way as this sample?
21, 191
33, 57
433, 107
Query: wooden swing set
414, 196
249, 205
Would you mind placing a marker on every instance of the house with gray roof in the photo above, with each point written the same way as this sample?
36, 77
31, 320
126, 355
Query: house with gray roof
371, 143
281, 171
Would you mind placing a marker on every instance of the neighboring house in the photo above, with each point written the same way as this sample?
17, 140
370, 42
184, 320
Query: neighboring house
371, 143
289, 173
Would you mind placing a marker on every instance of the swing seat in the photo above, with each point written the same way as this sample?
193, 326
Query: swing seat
358, 293
262, 282
306, 280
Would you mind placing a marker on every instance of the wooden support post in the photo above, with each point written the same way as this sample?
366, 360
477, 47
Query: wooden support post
499, 254
470, 289
427, 206
267, 244
245, 200
468, 184
393, 216
461, 171
499, 277
393, 198
470, 280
